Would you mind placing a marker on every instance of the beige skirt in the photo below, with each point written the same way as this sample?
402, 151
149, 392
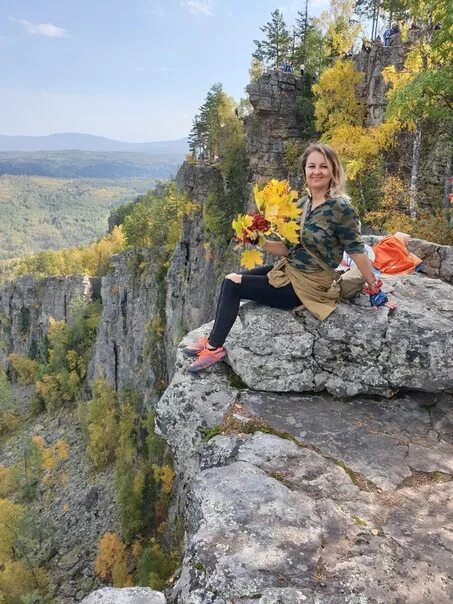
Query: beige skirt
318, 292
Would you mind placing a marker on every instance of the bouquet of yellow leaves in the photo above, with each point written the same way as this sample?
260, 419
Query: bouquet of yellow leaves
277, 215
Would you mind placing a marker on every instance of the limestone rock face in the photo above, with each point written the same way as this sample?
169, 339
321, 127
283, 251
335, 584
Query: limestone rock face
357, 350
274, 121
191, 279
196, 266
27, 304
296, 497
129, 595
373, 89
131, 295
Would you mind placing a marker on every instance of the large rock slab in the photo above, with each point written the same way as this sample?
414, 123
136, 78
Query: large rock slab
357, 350
129, 595
306, 498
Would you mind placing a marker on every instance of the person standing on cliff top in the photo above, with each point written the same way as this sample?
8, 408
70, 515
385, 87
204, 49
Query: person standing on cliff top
305, 273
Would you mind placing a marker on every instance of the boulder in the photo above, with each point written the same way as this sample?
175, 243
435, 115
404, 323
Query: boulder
293, 497
357, 350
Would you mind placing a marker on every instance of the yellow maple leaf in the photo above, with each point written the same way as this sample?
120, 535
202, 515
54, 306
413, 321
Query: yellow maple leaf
251, 258
271, 212
259, 197
242, 221
289, 231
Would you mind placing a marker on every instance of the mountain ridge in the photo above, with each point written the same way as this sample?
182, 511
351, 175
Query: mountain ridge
68, 141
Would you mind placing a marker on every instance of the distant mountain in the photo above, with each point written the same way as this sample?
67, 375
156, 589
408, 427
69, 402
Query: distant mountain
90, 164
67, 141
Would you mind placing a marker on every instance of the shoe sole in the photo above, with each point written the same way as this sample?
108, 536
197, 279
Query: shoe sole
188, 352
197, 369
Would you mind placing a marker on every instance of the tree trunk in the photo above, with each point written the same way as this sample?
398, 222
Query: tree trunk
416, 149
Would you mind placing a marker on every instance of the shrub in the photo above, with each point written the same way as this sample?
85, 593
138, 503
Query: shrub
8, 481
10, 517
21, 584
25, 368
155, 566
9, 421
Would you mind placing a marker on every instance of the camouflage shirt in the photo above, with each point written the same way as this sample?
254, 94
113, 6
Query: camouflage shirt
329, 230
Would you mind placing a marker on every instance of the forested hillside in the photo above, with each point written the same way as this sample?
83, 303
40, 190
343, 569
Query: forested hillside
41, 213
90, 164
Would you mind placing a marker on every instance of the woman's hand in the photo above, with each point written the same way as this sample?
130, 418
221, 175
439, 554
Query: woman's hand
277, 248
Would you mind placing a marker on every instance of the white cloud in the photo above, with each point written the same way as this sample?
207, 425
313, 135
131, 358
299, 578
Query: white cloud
198, 7
42, 29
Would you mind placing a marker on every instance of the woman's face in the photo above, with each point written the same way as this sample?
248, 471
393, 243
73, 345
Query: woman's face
318, 172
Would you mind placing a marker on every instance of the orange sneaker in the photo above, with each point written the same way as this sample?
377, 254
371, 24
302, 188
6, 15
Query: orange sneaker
192, 349
206, 358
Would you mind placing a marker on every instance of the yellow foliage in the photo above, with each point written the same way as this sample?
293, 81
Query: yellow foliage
137, 548
100, 418
8, 422
51, 458
166, 476
8, 480
10, 517
111, 562
276, 200
288, 230
16, 580
336, 98
251, 258
241, 224
26, 368
358, 146
92, 259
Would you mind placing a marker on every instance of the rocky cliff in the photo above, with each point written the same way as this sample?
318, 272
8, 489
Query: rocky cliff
27, 304
292, 490
294, 497
272, 124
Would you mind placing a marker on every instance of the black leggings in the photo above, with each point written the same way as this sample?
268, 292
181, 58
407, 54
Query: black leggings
254, 286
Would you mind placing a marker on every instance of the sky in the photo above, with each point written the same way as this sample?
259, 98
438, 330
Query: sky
135, 70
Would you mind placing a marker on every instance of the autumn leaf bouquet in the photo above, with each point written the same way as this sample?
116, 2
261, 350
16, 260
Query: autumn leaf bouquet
277, 215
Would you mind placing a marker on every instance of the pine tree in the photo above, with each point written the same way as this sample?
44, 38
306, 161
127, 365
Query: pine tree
204, 136
276, 47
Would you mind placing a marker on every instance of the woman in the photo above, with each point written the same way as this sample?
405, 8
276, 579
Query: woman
305, 274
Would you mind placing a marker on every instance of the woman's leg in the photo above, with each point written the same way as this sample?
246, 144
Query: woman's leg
254, 287
259, 270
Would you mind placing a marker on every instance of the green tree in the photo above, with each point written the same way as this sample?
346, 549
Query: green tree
276, 46
100, 416
204, 136
130, 476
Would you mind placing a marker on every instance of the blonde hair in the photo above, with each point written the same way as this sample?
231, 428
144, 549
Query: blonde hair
337, 187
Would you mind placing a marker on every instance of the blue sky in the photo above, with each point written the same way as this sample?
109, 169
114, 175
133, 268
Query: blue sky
133, 70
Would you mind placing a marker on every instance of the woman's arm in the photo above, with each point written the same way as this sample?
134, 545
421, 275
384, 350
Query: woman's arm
277, 248
365, 267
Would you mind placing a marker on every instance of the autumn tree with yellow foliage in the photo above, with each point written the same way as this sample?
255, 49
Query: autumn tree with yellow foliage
111, 562
421, 93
